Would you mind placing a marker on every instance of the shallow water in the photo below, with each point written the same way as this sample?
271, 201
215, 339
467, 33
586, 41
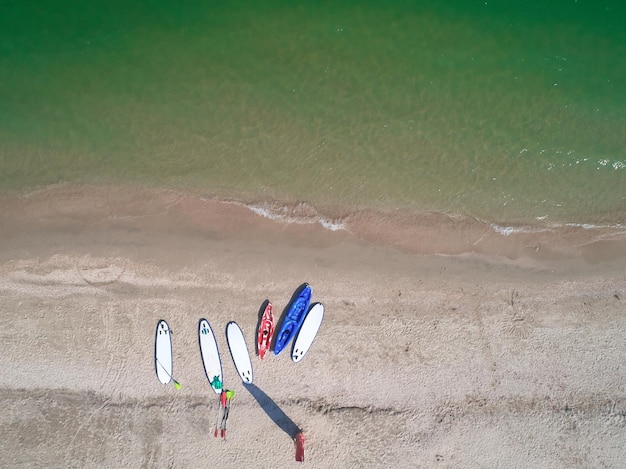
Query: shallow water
511, 112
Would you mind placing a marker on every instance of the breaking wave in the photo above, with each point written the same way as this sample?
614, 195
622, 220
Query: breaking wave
300, 213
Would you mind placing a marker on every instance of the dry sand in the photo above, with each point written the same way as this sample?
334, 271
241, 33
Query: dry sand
422, 360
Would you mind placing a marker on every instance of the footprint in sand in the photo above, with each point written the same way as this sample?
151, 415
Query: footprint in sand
98, 272
520, 324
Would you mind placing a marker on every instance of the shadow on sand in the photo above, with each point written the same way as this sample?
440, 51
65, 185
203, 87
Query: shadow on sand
273, 411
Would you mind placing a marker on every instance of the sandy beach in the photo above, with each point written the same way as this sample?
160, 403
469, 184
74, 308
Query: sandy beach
469, 349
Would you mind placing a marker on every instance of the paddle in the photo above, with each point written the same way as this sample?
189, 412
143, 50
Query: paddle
176, 383
225, 403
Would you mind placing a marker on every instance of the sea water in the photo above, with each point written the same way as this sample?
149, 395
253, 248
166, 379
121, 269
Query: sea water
506, 110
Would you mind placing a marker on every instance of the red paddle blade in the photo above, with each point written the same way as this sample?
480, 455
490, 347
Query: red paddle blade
300, 447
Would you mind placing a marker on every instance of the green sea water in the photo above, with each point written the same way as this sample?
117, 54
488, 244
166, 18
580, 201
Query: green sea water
504, 110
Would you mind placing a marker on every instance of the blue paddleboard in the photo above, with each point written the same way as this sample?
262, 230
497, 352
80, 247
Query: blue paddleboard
293, 319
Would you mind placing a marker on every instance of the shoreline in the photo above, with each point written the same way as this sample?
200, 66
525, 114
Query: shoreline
171, 211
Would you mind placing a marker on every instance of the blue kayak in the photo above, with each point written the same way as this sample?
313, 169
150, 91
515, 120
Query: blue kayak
293, 319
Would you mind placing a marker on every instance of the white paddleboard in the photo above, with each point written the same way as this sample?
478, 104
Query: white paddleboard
163, 352
239, 352
307, 332
210, 356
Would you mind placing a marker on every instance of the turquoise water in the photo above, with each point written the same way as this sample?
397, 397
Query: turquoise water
503, 110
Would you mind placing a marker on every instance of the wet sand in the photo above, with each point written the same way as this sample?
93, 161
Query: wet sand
474, 350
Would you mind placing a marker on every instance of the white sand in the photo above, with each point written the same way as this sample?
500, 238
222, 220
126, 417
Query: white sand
421, 361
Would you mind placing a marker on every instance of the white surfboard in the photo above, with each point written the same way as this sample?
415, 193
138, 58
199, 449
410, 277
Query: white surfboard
239, 351
210, 356
163, 352
307, 332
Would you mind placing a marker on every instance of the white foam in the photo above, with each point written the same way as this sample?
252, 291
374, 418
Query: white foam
301, 214
589, 226
509, 230
263, 212
332, 226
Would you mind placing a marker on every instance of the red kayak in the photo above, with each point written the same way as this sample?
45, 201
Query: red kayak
300, 447
266, 330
